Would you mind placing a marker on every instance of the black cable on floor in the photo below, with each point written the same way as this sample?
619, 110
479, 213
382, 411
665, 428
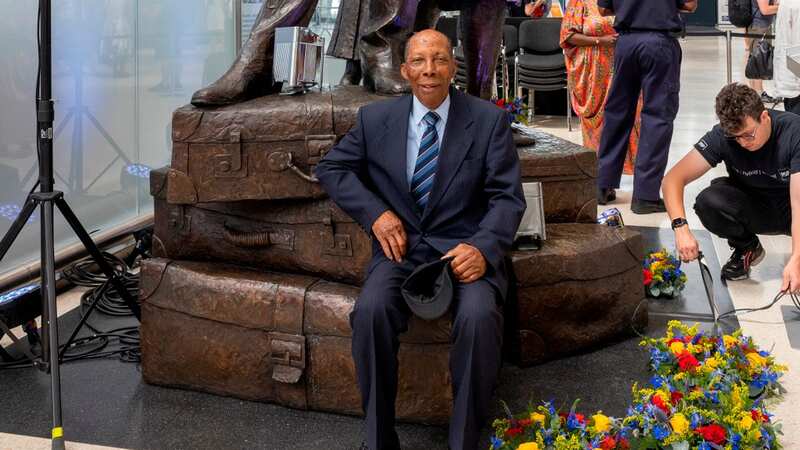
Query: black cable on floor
121, 342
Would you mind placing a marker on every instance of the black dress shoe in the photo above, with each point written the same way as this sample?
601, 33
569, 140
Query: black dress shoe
606, 195
639, 206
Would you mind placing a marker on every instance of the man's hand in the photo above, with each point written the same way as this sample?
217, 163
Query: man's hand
688, 249
468, 264
791, 276
391, 234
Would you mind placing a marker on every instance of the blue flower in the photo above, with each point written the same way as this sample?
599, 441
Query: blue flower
696, 420
704, 446
660, 432
736, 439
497, 442
656, 381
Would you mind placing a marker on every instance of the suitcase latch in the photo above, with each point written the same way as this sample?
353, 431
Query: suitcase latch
229, 162
179, 221
288, 357
336, 244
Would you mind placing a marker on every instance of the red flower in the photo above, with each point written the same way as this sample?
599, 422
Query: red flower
524, 422
501, 102
648, 277
580, 418
712, 433
675, 397
687, 361
757, 416
624, 444
609, 443
511, 432
656, 400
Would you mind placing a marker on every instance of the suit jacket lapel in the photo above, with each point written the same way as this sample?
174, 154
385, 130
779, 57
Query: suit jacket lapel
454, 148
395, 139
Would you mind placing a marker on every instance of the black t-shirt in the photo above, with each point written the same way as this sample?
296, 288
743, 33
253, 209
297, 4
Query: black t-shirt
765, 170
645, 15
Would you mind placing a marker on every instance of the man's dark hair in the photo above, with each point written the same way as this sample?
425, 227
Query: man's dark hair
735, 102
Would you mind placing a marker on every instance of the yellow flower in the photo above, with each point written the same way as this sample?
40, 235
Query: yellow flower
746, 422
528, 446
601, 423
537, 418
756, 361
758, 434
679, 423
713, 362
729, 341
677, 347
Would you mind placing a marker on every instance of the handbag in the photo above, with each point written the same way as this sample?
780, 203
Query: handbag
759, 63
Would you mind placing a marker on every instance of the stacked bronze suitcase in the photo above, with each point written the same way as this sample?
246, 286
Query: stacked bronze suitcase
258, 271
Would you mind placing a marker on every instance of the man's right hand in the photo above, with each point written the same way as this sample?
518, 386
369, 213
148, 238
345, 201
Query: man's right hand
688, 249
391, 234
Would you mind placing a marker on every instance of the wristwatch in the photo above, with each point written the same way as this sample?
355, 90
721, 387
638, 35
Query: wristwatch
679, 222
597, 41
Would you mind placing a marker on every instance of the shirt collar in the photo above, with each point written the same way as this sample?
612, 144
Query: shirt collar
418, 110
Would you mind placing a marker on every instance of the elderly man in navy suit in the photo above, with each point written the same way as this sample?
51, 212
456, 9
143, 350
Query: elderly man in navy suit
433, 174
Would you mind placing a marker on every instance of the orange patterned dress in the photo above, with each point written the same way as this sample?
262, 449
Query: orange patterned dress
589, 70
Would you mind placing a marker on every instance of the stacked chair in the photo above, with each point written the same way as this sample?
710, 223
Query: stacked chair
539, 64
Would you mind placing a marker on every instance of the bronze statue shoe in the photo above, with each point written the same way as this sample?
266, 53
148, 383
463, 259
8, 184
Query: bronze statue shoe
251, 76
380, 66
352, 73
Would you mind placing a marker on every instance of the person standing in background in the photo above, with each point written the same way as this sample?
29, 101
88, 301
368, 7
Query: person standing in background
588, 41
763, 15
647, 60
787, 35
529, 8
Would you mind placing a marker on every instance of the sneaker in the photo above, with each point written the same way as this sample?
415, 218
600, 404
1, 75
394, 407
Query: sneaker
766, 98
639, 206
606, 195
740, 262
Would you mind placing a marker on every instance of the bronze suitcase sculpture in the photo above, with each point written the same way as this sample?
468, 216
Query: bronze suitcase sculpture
303, 236
579, 291
262, 149
275, 338
568, 173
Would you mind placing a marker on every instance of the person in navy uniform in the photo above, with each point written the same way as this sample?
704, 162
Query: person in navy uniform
647, 60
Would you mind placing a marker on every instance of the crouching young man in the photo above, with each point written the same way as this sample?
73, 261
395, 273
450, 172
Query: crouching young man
760, 195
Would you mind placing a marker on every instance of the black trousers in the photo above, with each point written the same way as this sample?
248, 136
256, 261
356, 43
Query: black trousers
381, 315
792, 104
648, 63
737, 214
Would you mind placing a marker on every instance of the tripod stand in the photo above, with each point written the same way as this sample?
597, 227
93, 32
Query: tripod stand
46, 199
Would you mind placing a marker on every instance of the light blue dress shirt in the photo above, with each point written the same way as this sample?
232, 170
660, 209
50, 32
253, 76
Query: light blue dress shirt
416, 128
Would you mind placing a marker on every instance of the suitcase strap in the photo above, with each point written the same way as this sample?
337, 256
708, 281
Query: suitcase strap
259, 239
288, 357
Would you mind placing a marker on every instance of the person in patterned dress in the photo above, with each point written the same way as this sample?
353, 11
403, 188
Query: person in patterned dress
588, 41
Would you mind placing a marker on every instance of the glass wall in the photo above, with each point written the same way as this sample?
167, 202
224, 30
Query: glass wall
120, 67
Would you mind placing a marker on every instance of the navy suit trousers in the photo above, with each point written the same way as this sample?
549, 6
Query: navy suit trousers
381, 315
648, 63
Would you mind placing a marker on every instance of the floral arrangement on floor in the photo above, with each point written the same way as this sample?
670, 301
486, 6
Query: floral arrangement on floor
516, 109
663, 276
707, 393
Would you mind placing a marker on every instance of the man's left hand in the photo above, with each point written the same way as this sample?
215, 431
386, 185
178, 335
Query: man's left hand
791, 276
468, 264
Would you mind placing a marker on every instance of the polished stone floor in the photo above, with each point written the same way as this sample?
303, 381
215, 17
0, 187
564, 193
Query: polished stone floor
109, 406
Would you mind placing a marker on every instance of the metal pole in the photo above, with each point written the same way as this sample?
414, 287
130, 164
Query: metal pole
729, 55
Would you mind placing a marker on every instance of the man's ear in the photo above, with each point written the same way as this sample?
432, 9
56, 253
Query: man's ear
404, 71
764, 115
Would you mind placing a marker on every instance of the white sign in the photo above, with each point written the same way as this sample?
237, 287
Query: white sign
722, 13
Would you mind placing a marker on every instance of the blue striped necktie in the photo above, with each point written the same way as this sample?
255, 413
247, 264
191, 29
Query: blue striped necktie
427, 161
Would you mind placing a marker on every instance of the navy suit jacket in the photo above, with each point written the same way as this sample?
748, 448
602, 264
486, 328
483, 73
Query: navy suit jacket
477, 195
